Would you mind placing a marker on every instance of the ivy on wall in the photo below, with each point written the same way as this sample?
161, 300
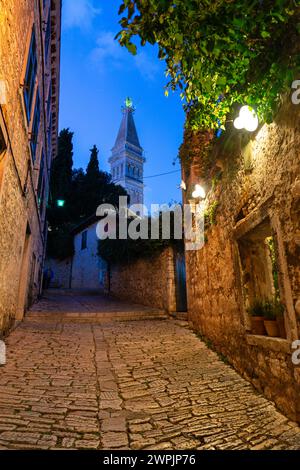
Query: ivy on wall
127, 251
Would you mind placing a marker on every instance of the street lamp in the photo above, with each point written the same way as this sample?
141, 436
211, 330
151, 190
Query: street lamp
199, 192
247, 119
60, 203
182, 185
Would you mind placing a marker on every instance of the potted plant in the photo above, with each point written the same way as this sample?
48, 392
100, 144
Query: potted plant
256, 313
270, 321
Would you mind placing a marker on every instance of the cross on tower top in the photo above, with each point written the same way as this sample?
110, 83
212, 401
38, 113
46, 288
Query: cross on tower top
129, 103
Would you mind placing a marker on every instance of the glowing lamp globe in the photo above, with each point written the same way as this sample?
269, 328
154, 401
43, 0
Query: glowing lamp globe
247, 119
198, 192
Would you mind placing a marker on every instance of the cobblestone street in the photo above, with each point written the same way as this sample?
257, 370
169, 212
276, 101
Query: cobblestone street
117, 385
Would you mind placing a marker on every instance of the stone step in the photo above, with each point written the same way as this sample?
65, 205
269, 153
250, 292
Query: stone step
92, 317
180, 316
57, 291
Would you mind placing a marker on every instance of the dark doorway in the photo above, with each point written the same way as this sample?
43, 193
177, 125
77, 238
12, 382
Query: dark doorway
24, 274
31, 290
180, 271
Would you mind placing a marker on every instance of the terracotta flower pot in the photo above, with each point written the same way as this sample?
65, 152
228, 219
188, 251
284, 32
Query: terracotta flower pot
257, 326
281, 327
272, 328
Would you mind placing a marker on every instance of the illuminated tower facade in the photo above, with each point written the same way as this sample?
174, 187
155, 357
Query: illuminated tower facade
127, 157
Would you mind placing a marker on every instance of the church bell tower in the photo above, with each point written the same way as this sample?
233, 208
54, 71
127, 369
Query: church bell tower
127, 157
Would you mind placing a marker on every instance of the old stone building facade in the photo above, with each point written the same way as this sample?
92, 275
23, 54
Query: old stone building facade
29, 92
85, 269
253, 197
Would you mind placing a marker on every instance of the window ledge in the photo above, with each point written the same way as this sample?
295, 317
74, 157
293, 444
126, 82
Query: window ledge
267, 342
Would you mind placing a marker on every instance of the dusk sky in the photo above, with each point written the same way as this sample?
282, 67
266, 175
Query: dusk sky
97, 75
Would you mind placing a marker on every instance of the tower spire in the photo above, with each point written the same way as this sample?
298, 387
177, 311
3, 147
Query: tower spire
127, 134
127, 159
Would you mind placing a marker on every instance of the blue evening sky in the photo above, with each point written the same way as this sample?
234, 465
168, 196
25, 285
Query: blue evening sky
97, 75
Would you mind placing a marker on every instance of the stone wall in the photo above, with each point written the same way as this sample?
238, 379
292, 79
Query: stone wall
252, 183
148, 282
23, 227
61, 272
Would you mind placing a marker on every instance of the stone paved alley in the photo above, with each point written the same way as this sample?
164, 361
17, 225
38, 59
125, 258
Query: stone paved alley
78, 382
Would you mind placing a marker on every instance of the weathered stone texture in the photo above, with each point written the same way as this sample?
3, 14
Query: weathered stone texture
21, 268
61, 272
130, 385
259, 180
147, 281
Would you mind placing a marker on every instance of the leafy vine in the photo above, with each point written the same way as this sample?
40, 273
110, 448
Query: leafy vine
219, 52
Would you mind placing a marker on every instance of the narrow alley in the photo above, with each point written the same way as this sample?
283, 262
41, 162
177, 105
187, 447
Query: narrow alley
79, 377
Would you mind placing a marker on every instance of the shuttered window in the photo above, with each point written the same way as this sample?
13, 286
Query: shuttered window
30, 76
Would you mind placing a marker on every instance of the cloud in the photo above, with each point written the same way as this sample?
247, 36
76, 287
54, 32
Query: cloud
108, 52
147, 67
79, 13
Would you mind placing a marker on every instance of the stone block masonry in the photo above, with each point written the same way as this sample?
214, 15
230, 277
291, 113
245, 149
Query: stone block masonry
254, 196
131, 385
29, 73
147, 281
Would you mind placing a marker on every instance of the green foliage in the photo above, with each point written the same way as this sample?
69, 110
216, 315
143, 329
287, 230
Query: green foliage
60, 242
96, 187
256, 309
127, 251
211, 346
269, 309
271, 245
211, 213
219, 52
215, 180
61, 170
272, 309
82, 192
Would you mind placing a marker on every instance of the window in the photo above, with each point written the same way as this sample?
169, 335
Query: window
35, 127
49, 137
3, 147
84, 240
41, 199
30, 76
45, 228
41, 184
260, 279
49, 100
2, 143
47, 37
